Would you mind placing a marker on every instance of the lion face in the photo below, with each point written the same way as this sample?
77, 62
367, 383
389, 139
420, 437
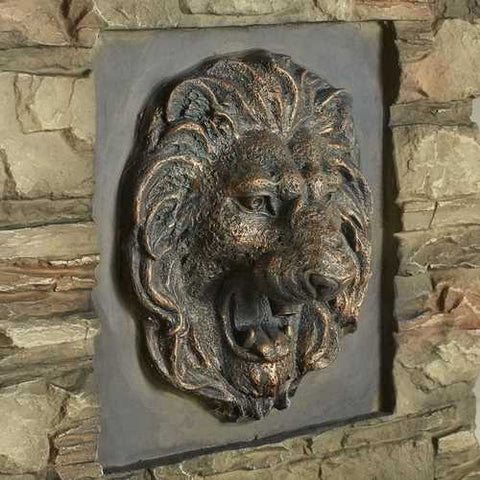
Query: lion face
248, 245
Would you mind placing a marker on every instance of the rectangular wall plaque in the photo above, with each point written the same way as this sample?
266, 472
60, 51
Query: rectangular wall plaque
142, 419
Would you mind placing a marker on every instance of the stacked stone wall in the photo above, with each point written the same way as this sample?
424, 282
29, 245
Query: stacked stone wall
48, 406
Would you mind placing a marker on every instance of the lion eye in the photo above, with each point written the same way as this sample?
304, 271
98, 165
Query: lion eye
257, 204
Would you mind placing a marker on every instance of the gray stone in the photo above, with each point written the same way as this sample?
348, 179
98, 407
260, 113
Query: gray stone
454, 59
457, 212
63, 241
151, 410
449, 113
417, 215
412, 459
411, 295
28, 411
31, 213
436, 163
438, 249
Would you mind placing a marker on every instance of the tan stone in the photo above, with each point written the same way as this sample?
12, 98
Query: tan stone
437, 249
48, 60
451, 71
436, 162
44, 163
48, 362
14, 306
30, 333
56, 103
412, 459
28, 412
457, 212
238, 7
411, 295
31, 213
63, 241
32, 22
417, 215
413, 39
394, 9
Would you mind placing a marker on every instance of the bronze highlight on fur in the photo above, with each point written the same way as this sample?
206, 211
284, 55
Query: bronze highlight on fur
245, 230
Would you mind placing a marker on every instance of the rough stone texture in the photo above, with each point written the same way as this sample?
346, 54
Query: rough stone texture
436, 162
425, 215
394, 9
31, 213
383, 461
32, 22
454, 59
49, 242
449, 113
55, 163
48, 61
28, 411
411, 295
238, 7
435, 249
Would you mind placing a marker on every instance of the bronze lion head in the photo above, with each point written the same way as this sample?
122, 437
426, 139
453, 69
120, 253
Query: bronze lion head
245, 229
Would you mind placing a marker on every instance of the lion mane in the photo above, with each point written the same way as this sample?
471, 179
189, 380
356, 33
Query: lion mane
182, 132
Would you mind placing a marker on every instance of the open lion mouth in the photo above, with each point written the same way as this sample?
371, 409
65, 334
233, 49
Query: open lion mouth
257, 328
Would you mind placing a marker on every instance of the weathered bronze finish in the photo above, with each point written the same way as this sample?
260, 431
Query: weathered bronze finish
245, 229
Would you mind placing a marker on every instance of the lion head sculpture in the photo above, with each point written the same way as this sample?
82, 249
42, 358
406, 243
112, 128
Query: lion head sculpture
245, 229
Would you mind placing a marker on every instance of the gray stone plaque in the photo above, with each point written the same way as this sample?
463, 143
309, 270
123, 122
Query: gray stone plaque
143, 419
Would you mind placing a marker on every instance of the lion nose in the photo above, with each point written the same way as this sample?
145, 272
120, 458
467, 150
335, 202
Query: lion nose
321, 287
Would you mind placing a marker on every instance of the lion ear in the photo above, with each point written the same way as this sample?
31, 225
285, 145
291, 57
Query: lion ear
190, 100
333, 115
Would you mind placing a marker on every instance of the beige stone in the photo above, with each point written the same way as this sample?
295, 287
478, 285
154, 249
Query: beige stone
56, 103
457, 212
437, 249
32, 22
44, 163
451, 71
47, 60
63, 241
411, 295
436, 162
30, 333
394, 9
238, 7
28, 412
417, 215
412, 459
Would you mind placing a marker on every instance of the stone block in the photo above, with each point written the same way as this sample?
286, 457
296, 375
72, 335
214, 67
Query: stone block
23, 276
238, 7
56, 103
438, 249
411, 295
394, 9
28, 411
30, 333
41, 211
414, 39
457, 455
45, 163
32, 22
47, 60
412, 459
436, 163
63, 241
451, 71
431, 113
